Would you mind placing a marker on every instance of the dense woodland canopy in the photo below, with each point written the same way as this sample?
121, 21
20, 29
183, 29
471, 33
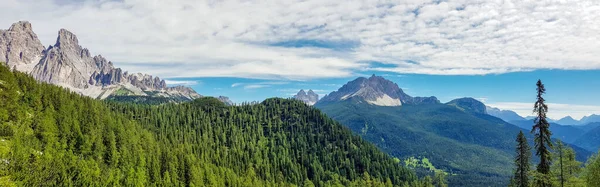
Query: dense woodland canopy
52, 137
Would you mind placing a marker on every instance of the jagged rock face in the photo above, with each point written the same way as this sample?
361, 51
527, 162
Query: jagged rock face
225, 100
146, 82
309, 98
182, 91
68, 64
376, 90
20, 47
469, 105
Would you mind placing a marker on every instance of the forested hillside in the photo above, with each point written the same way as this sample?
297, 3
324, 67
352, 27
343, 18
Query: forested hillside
51, 137
474, 148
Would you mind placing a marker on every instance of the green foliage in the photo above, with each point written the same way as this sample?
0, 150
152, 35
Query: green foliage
541, 179
423, 163
122, 92
439, 179
521, 176
151, 100
592, 171
64, 139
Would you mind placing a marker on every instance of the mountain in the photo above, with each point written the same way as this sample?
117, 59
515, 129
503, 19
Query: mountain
533, 117
589, 126
566, 133
590, 140
375, 90
309, 98
458, 137
72, 66
20, 47
568, 120
226, 100
54, 137
468, 104
506, 115
590, 119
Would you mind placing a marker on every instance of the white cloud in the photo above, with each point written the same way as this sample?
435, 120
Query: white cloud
556, 110
230, 38
258, 84
255, 86
186, 83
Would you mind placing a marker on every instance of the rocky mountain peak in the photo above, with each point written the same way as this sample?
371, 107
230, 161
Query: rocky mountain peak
226, 100
66, 39
375, 90
21, 26
20, 47
309, 98
301, 92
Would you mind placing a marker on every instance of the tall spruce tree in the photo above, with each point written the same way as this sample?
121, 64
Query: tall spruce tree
521, 178
541, 129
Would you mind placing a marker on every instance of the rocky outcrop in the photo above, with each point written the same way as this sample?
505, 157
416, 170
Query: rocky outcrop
376, 90
180, 91
309, 98
226, 100
68, 64
20, 47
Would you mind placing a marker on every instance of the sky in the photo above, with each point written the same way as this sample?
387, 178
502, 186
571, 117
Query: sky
492, 50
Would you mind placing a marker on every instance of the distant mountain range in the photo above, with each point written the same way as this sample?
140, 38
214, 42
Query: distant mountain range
584, 133
458, 137
506, 115
72, 66
310, 97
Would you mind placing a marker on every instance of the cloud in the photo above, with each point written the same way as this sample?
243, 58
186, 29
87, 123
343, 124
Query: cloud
482, 99
301, 39
177, 82
255, 86
556, 110
258, 84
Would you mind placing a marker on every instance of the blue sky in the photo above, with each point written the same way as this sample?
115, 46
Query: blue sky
491, 50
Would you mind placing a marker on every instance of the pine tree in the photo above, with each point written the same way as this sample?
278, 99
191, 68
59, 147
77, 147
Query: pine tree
521, 178
541, 128
560, 171
565, 168
592, 171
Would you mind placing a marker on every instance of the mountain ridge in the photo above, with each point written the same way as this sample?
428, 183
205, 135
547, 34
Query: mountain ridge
375, 90
310, 97
72, 66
